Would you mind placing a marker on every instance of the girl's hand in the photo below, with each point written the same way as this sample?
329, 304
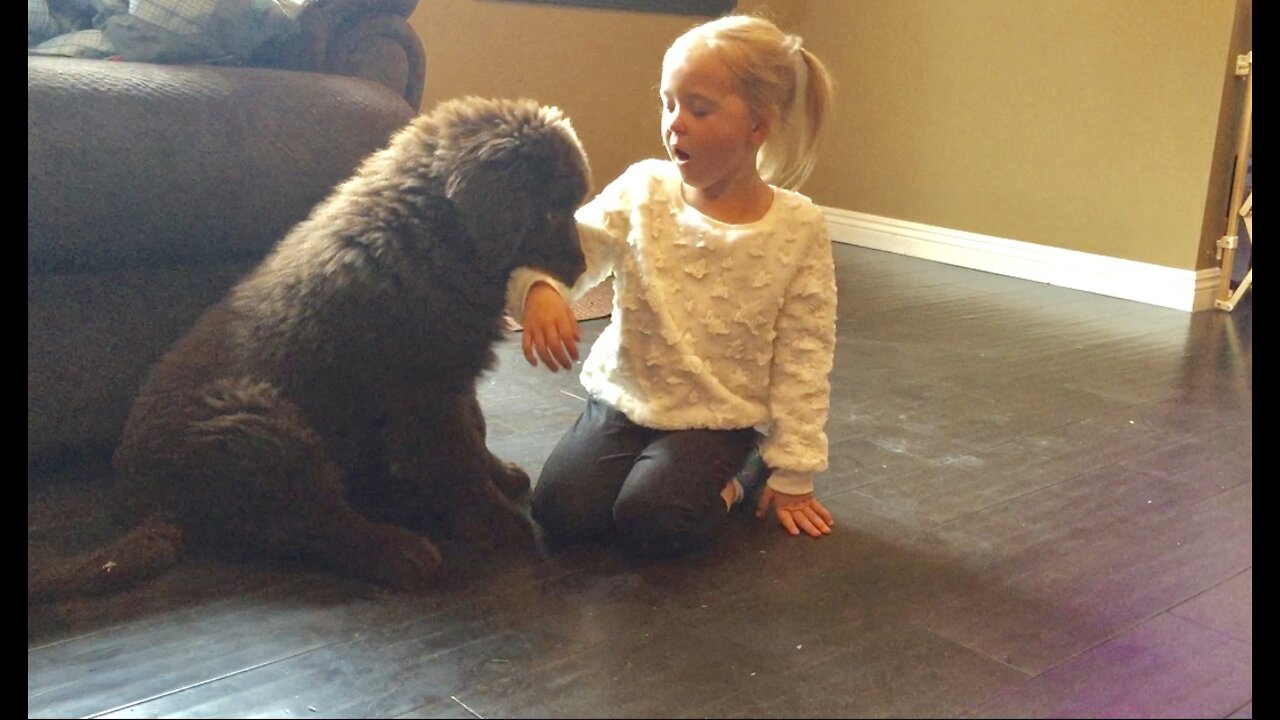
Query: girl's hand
550, 329
796, 512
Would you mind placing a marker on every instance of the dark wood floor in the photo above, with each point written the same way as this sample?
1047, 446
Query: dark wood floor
1044, 504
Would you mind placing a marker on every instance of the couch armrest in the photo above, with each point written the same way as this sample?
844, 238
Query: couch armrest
368, 39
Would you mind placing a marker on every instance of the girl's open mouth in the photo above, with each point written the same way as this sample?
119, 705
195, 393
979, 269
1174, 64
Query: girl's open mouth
680, 155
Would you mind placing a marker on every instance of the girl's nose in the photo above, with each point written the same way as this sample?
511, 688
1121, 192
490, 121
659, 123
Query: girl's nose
675, 123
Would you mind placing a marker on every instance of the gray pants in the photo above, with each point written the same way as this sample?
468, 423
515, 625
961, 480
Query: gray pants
656, 491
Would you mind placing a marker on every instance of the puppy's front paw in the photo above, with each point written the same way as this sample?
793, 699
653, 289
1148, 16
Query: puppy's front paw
403, 560
512, 480
499, 526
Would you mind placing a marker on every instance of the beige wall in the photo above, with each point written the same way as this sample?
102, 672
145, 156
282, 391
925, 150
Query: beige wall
1081, 124
1093, 125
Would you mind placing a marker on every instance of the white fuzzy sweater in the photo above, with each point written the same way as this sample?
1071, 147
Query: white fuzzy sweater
714, 325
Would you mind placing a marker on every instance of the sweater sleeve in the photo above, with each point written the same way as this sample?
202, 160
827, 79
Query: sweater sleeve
799, 383
603, 225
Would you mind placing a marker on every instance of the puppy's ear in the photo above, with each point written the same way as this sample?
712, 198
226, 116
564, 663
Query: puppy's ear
494, 213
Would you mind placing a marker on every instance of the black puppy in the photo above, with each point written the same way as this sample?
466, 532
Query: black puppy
327, 406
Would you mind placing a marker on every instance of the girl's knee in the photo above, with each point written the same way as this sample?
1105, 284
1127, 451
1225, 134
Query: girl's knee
548, 509
657, 530
563, 515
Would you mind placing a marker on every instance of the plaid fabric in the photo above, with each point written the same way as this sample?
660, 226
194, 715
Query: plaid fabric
183, 17
158, 30
82, 43
47, 20
38, 19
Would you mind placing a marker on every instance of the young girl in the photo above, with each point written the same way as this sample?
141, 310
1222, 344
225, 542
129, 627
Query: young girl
723, 315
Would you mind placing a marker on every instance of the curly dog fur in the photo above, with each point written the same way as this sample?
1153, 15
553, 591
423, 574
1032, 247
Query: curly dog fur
327, 406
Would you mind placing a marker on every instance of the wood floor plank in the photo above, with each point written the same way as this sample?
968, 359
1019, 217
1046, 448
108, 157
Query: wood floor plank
1164, 667
1069, 566
1227, 607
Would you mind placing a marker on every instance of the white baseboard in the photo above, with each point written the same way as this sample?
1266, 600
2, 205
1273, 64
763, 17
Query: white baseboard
1188, 290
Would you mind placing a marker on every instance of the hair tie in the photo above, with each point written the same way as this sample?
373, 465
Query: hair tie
802, 75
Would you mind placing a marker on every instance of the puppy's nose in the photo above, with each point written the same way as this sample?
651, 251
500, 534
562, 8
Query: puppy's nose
579, 267
573, 269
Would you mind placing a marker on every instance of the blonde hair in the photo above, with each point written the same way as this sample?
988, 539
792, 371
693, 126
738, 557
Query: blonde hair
783, 84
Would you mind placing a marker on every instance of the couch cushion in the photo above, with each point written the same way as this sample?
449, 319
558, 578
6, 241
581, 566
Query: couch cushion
134, 164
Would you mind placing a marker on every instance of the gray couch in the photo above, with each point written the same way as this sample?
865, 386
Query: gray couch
152, 188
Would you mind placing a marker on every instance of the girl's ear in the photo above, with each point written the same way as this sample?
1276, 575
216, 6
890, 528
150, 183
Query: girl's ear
759, 130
